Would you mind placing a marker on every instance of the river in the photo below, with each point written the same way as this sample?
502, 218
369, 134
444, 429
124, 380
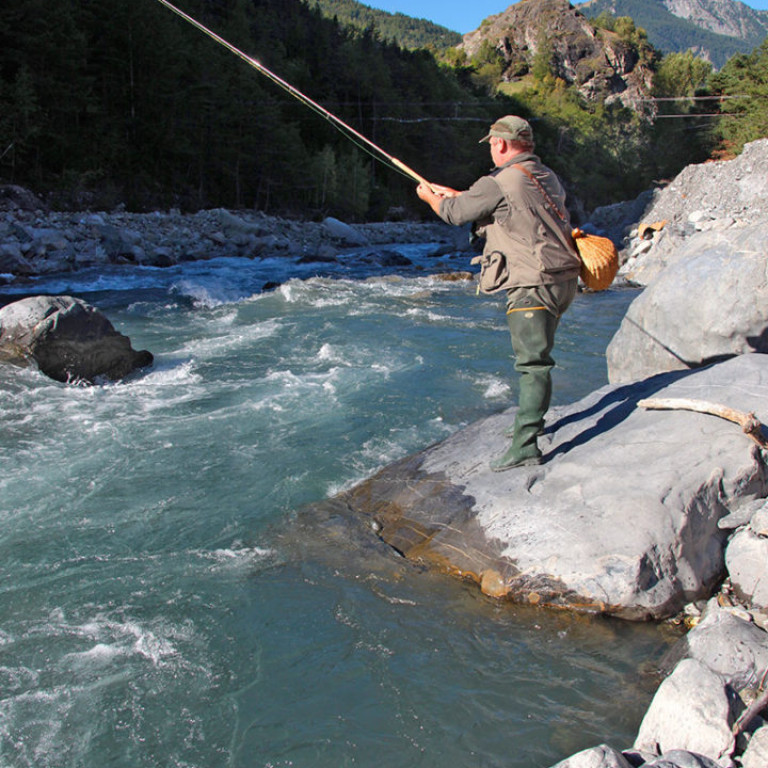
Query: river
153, 610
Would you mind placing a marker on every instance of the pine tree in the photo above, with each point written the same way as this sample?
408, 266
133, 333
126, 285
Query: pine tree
743, 84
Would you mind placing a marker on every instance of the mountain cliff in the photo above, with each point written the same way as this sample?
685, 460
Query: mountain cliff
602, 65
713, 29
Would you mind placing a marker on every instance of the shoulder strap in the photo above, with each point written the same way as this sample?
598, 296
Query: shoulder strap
551, 202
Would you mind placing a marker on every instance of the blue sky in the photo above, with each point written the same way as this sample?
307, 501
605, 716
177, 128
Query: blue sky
462, 16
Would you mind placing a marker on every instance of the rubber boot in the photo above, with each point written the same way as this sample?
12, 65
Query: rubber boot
535, 388
544, 399
532, 333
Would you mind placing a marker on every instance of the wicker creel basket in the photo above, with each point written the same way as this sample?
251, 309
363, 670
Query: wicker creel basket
599, 260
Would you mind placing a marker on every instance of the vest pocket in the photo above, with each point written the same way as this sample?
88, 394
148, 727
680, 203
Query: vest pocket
494, 271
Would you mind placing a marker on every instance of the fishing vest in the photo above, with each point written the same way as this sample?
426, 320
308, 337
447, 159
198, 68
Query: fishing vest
536, 242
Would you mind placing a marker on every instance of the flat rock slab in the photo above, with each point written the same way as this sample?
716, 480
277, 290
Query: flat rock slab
621, 518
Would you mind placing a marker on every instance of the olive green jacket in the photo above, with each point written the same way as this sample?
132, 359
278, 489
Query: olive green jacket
511, 213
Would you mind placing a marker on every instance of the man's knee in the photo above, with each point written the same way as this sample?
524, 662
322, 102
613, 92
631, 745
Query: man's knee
532, 333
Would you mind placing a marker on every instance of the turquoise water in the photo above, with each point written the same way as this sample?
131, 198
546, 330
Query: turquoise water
160, 604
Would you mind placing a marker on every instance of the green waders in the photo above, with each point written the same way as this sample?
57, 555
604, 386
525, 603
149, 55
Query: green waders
533, 315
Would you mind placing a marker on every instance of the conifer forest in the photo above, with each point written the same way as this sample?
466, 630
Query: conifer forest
107, 102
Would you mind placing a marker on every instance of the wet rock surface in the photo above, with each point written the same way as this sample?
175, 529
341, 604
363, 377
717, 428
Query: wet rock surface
67, 339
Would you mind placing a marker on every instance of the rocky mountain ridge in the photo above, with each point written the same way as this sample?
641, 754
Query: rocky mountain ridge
599, 63
713, 29
724, 17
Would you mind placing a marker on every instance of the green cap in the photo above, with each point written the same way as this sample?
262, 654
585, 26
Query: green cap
512, 128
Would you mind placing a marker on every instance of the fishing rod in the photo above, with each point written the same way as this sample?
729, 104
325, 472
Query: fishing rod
337, 122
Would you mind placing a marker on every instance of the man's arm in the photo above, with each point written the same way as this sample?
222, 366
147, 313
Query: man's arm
458, 208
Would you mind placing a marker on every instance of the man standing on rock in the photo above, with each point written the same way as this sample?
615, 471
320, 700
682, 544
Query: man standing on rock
519, 209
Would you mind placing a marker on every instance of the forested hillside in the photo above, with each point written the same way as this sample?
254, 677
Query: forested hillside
127, 100
743, 85
406, 31
114, 102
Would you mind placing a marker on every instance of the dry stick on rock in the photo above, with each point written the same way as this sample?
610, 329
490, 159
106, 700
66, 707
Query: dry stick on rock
747, 421
754, 709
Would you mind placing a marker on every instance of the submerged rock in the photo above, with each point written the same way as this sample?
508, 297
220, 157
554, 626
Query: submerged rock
67, 339
622, 517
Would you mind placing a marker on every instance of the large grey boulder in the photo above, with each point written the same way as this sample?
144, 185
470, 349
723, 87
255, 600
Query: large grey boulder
680, 758
690, 712
602, 756
728, 645
756, 753
67, 339
621, 518
344, 233
711, 303
747, 561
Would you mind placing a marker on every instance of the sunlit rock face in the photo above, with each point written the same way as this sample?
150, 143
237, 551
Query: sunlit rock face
622, 516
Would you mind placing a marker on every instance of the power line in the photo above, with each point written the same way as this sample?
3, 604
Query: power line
698, 98
703, 114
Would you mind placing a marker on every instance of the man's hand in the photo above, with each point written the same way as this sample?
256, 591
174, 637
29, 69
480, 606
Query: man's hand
434, 194
445, 191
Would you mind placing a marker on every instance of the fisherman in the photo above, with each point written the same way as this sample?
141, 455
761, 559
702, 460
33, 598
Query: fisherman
519, 210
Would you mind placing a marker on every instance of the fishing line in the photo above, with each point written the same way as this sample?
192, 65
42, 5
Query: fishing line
346, 130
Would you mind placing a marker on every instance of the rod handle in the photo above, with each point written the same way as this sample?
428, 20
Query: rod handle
403, 167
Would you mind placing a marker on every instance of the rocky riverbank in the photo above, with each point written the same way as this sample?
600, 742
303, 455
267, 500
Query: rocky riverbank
36, 241
636, 512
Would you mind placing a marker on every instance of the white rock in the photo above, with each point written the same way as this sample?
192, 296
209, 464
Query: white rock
596, 757
747, 561
756, 753
697, 217
341, 231
691, 712
729, 645
759, 522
